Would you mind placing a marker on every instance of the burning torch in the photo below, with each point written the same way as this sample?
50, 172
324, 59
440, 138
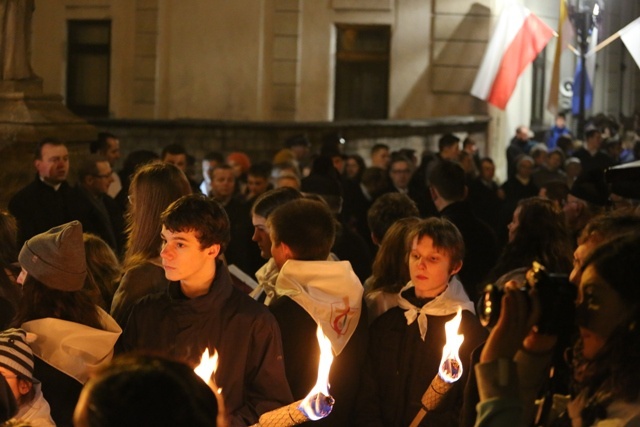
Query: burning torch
206, 370
315, 406
450, 370
318, 403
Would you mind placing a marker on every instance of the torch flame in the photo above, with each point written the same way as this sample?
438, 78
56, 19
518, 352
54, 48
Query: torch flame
208, 366
318, 403
450, 365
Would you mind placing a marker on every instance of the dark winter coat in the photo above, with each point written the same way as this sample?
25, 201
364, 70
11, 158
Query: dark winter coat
246, 336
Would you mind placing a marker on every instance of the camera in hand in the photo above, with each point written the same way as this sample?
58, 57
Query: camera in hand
557, 300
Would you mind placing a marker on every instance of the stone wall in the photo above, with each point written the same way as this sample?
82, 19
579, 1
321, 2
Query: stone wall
261, 140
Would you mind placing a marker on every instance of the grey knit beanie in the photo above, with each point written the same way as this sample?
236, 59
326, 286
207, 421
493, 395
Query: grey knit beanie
56, 257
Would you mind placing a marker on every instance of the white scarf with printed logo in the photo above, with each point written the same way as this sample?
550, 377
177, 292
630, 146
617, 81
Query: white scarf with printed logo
330, 293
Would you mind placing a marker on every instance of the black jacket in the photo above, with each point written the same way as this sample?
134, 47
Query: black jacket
38, 207
481, 246
400, 366
301, 357
246, 336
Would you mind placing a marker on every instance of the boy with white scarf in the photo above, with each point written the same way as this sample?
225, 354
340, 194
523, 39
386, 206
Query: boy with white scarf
312, 291
406, 342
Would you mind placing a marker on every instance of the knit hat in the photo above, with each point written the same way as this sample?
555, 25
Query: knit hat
15, 354
56, 257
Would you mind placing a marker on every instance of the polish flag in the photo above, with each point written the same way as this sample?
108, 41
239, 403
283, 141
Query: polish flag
518, 38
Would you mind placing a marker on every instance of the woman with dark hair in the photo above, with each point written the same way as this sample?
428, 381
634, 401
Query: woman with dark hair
72, 334
140, 390
604, 360
536, 233
103, 270
606, 370
390, 271
153, 187
9, 291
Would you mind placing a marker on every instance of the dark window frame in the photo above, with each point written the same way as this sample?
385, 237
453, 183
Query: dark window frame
76, 50
373, 59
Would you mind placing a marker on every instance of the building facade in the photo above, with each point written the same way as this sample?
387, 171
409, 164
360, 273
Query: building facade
305, 60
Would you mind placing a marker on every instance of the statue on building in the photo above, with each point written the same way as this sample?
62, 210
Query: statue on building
15, 39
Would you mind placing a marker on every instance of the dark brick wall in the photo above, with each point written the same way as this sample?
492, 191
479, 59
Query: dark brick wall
261, 140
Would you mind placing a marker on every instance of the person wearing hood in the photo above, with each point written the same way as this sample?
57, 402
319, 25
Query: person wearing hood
16, 367
406, 342
72, 334
312, 291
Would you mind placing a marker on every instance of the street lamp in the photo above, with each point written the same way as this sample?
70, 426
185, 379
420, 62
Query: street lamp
585, 15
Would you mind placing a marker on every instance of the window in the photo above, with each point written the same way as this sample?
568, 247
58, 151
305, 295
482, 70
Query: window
362, 72
88, 62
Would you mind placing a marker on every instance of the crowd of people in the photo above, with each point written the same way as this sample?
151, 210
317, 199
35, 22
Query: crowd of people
112, 289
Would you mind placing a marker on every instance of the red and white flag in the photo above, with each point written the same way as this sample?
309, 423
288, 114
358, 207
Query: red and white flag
518, 38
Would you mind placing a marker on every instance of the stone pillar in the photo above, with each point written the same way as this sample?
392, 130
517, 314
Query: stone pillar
27, 115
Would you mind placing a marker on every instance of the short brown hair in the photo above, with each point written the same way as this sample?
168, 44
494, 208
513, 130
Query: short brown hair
446, 237
306, 226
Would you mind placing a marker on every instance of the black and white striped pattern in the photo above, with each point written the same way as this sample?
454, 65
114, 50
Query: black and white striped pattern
15, 353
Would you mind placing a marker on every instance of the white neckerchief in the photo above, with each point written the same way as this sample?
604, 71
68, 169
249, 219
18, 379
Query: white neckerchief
329, 291
444, 304
267, 276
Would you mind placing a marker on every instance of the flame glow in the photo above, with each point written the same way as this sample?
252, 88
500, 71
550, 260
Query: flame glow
207, 367
450, 365
318, 403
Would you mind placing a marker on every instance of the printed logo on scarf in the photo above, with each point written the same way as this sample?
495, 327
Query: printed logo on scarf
341, 314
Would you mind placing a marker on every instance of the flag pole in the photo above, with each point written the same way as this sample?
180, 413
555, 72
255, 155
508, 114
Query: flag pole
604, 43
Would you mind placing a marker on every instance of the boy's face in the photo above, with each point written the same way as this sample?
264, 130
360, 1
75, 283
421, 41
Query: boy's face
261, 235
381, 158
222, 183
257, 185
178, 160
430, 268
183, 259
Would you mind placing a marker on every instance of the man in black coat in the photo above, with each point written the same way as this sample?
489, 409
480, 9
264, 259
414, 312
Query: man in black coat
48, 201
448, 190
101, 215
314, 291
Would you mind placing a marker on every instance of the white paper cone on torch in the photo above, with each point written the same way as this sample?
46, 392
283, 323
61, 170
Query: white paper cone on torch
449, 372
316, 405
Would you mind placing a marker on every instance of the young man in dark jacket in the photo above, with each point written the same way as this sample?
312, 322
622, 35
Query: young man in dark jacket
313, 290
202, 309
